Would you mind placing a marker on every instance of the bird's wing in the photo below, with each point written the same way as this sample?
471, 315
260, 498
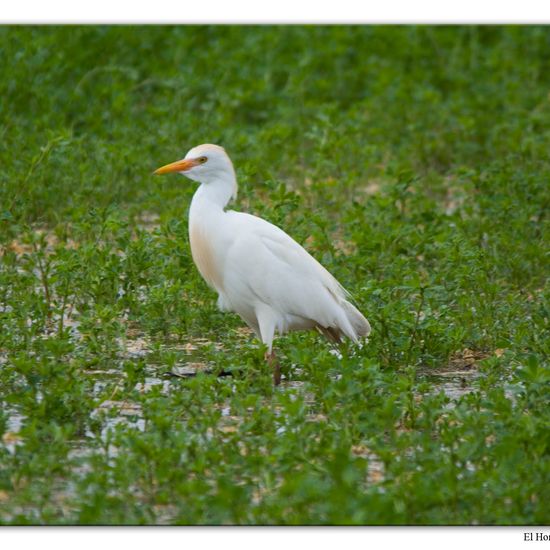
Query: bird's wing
266, 264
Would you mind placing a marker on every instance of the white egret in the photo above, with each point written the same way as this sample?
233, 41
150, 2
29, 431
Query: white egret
258, 271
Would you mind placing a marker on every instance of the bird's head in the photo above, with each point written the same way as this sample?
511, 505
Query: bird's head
205, 163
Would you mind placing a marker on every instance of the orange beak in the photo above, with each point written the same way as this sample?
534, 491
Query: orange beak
178, 166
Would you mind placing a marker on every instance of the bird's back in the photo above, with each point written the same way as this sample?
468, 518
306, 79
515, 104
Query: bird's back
264, 266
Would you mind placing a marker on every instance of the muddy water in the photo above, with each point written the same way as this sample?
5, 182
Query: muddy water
115, 411
454, 384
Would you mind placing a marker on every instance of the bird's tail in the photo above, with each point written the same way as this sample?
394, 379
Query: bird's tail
352, 323
360, 325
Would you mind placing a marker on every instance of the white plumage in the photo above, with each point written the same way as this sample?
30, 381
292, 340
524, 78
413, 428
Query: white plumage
258, 271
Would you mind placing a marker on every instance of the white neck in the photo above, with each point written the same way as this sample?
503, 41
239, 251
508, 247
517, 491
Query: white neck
210, 200
217, 193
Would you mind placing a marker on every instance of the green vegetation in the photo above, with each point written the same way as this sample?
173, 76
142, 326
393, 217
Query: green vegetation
412, 161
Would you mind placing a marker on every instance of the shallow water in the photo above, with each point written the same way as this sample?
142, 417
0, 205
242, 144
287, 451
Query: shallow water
454, 384
113, 412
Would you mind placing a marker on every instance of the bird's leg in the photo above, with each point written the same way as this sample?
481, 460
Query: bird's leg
274, 364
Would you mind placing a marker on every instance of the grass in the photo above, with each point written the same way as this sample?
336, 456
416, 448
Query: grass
412, 161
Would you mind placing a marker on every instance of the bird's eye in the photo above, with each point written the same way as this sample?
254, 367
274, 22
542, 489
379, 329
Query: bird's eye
202, 160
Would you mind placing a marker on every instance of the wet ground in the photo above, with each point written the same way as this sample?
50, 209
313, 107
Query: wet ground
455, 380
